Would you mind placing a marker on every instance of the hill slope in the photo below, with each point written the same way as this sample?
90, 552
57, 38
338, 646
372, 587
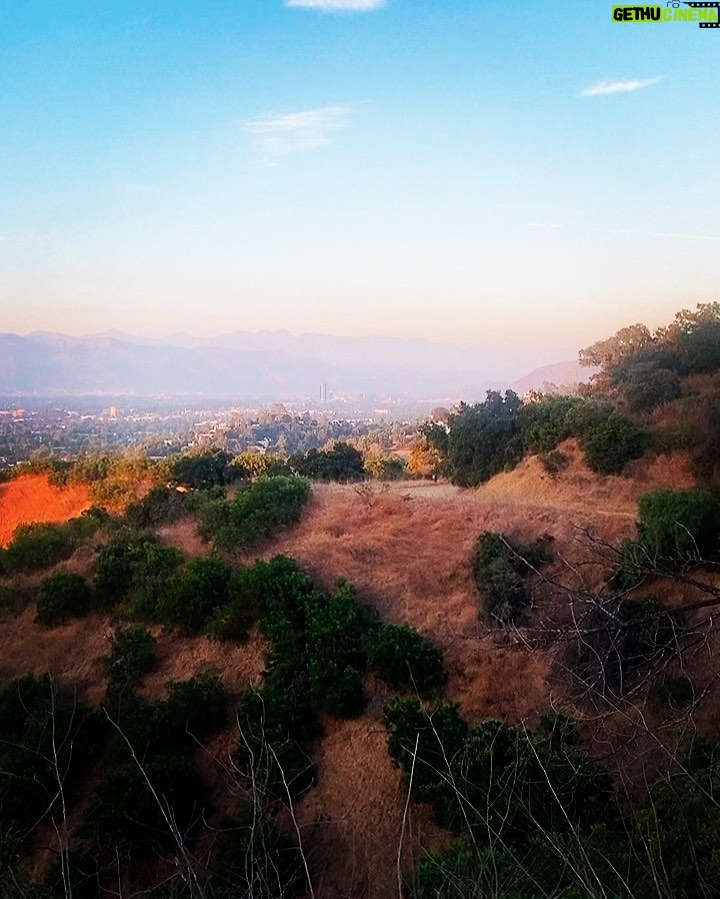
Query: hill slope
407, 548
32, 498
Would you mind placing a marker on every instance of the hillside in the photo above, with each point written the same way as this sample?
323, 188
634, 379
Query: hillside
407, 548
32, 498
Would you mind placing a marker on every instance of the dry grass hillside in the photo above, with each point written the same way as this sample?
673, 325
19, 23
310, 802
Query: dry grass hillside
32, 498
407, 548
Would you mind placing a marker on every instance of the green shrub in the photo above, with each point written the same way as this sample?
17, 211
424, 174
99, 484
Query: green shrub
679, 828
677, 526
315, 664
148, 773
130, 804
384, 468
500, 568
37, 545
341, 463
204, 470
253, 852
233, 620
336, 629
257, 511
191, 596
493, 779
559, 729
41, 725
134, 562
484, 439
160, 506
132, 655
253, 464
322, 636
196, 707
281, 591
404, 659
647, 385
595, 863
276, 726
424, 742
6, 599
611, 443
548, 422
63, 595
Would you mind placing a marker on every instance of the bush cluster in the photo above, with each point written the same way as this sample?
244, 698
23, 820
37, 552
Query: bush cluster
341, 463
204, 470
41, 725
193, 594
257, 511
493, 436
136, 780
495, 779
591, 861
500, 569
611, 442
679, 827
405, 660
675, 529
38, 545
160, 505
63, 595
320, 646
132, 655
148, 771
679, 526
134, 564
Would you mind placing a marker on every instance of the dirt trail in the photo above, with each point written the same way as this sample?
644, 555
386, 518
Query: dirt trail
577, 489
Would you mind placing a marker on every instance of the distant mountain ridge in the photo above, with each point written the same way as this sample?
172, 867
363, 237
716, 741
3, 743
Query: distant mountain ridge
561, 374
262, 364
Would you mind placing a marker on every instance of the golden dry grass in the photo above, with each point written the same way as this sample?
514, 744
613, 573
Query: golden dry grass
407, 548
32, 498
408, 551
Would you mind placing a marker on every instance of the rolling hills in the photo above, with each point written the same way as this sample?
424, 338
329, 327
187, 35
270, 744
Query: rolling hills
407, 549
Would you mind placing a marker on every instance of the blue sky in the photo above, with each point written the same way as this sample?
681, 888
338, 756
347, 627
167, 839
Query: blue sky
519, 174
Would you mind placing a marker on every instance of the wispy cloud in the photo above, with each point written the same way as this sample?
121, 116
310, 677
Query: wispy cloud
618, 87
545, 226
277, 135
675, 236
343, 5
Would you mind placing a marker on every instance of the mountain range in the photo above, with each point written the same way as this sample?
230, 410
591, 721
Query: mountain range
260, 365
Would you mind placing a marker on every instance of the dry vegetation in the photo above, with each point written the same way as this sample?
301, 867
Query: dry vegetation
32, 498
407, 548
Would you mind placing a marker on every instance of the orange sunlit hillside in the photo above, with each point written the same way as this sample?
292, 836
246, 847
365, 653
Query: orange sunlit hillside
32, 498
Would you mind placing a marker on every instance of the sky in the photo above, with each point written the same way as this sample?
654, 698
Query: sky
521, 174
